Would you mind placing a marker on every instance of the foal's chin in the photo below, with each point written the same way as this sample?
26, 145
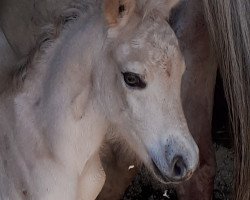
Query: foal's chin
164, 179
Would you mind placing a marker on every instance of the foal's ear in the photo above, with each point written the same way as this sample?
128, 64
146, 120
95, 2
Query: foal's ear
170, 5
162, 6
117, 14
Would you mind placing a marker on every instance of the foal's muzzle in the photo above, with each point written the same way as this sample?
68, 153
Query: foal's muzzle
177, 163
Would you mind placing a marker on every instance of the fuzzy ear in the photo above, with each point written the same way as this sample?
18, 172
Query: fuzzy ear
117, 14
162, 6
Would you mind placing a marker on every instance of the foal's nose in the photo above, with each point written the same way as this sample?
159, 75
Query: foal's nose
175, 160
179, 169
182, 160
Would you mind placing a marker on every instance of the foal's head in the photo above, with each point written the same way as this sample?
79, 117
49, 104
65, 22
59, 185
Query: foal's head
140, 88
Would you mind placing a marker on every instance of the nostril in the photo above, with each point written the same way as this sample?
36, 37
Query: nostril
179, 168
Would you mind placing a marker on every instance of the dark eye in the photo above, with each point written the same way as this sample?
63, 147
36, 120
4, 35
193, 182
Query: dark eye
133, 80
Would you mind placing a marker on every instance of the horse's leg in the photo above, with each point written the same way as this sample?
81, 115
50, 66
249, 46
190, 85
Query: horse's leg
120, 167
198, 104
200, 187
197, 96
92, 179
198, 110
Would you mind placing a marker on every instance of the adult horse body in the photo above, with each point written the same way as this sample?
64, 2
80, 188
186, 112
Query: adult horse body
72, 89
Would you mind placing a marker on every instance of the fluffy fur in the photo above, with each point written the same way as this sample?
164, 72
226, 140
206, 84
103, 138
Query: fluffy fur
71, 89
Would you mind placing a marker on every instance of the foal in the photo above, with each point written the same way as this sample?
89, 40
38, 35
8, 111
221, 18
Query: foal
117, 65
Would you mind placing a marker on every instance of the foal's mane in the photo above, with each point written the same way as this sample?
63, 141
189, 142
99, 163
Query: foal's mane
49, 33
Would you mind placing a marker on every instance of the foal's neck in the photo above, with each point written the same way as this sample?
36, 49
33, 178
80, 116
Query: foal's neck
73, 88
59, 93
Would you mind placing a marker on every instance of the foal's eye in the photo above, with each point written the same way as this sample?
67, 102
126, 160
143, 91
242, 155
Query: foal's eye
133, 80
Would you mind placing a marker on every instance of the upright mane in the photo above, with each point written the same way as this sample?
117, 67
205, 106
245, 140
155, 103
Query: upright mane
51, 32
229, 26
